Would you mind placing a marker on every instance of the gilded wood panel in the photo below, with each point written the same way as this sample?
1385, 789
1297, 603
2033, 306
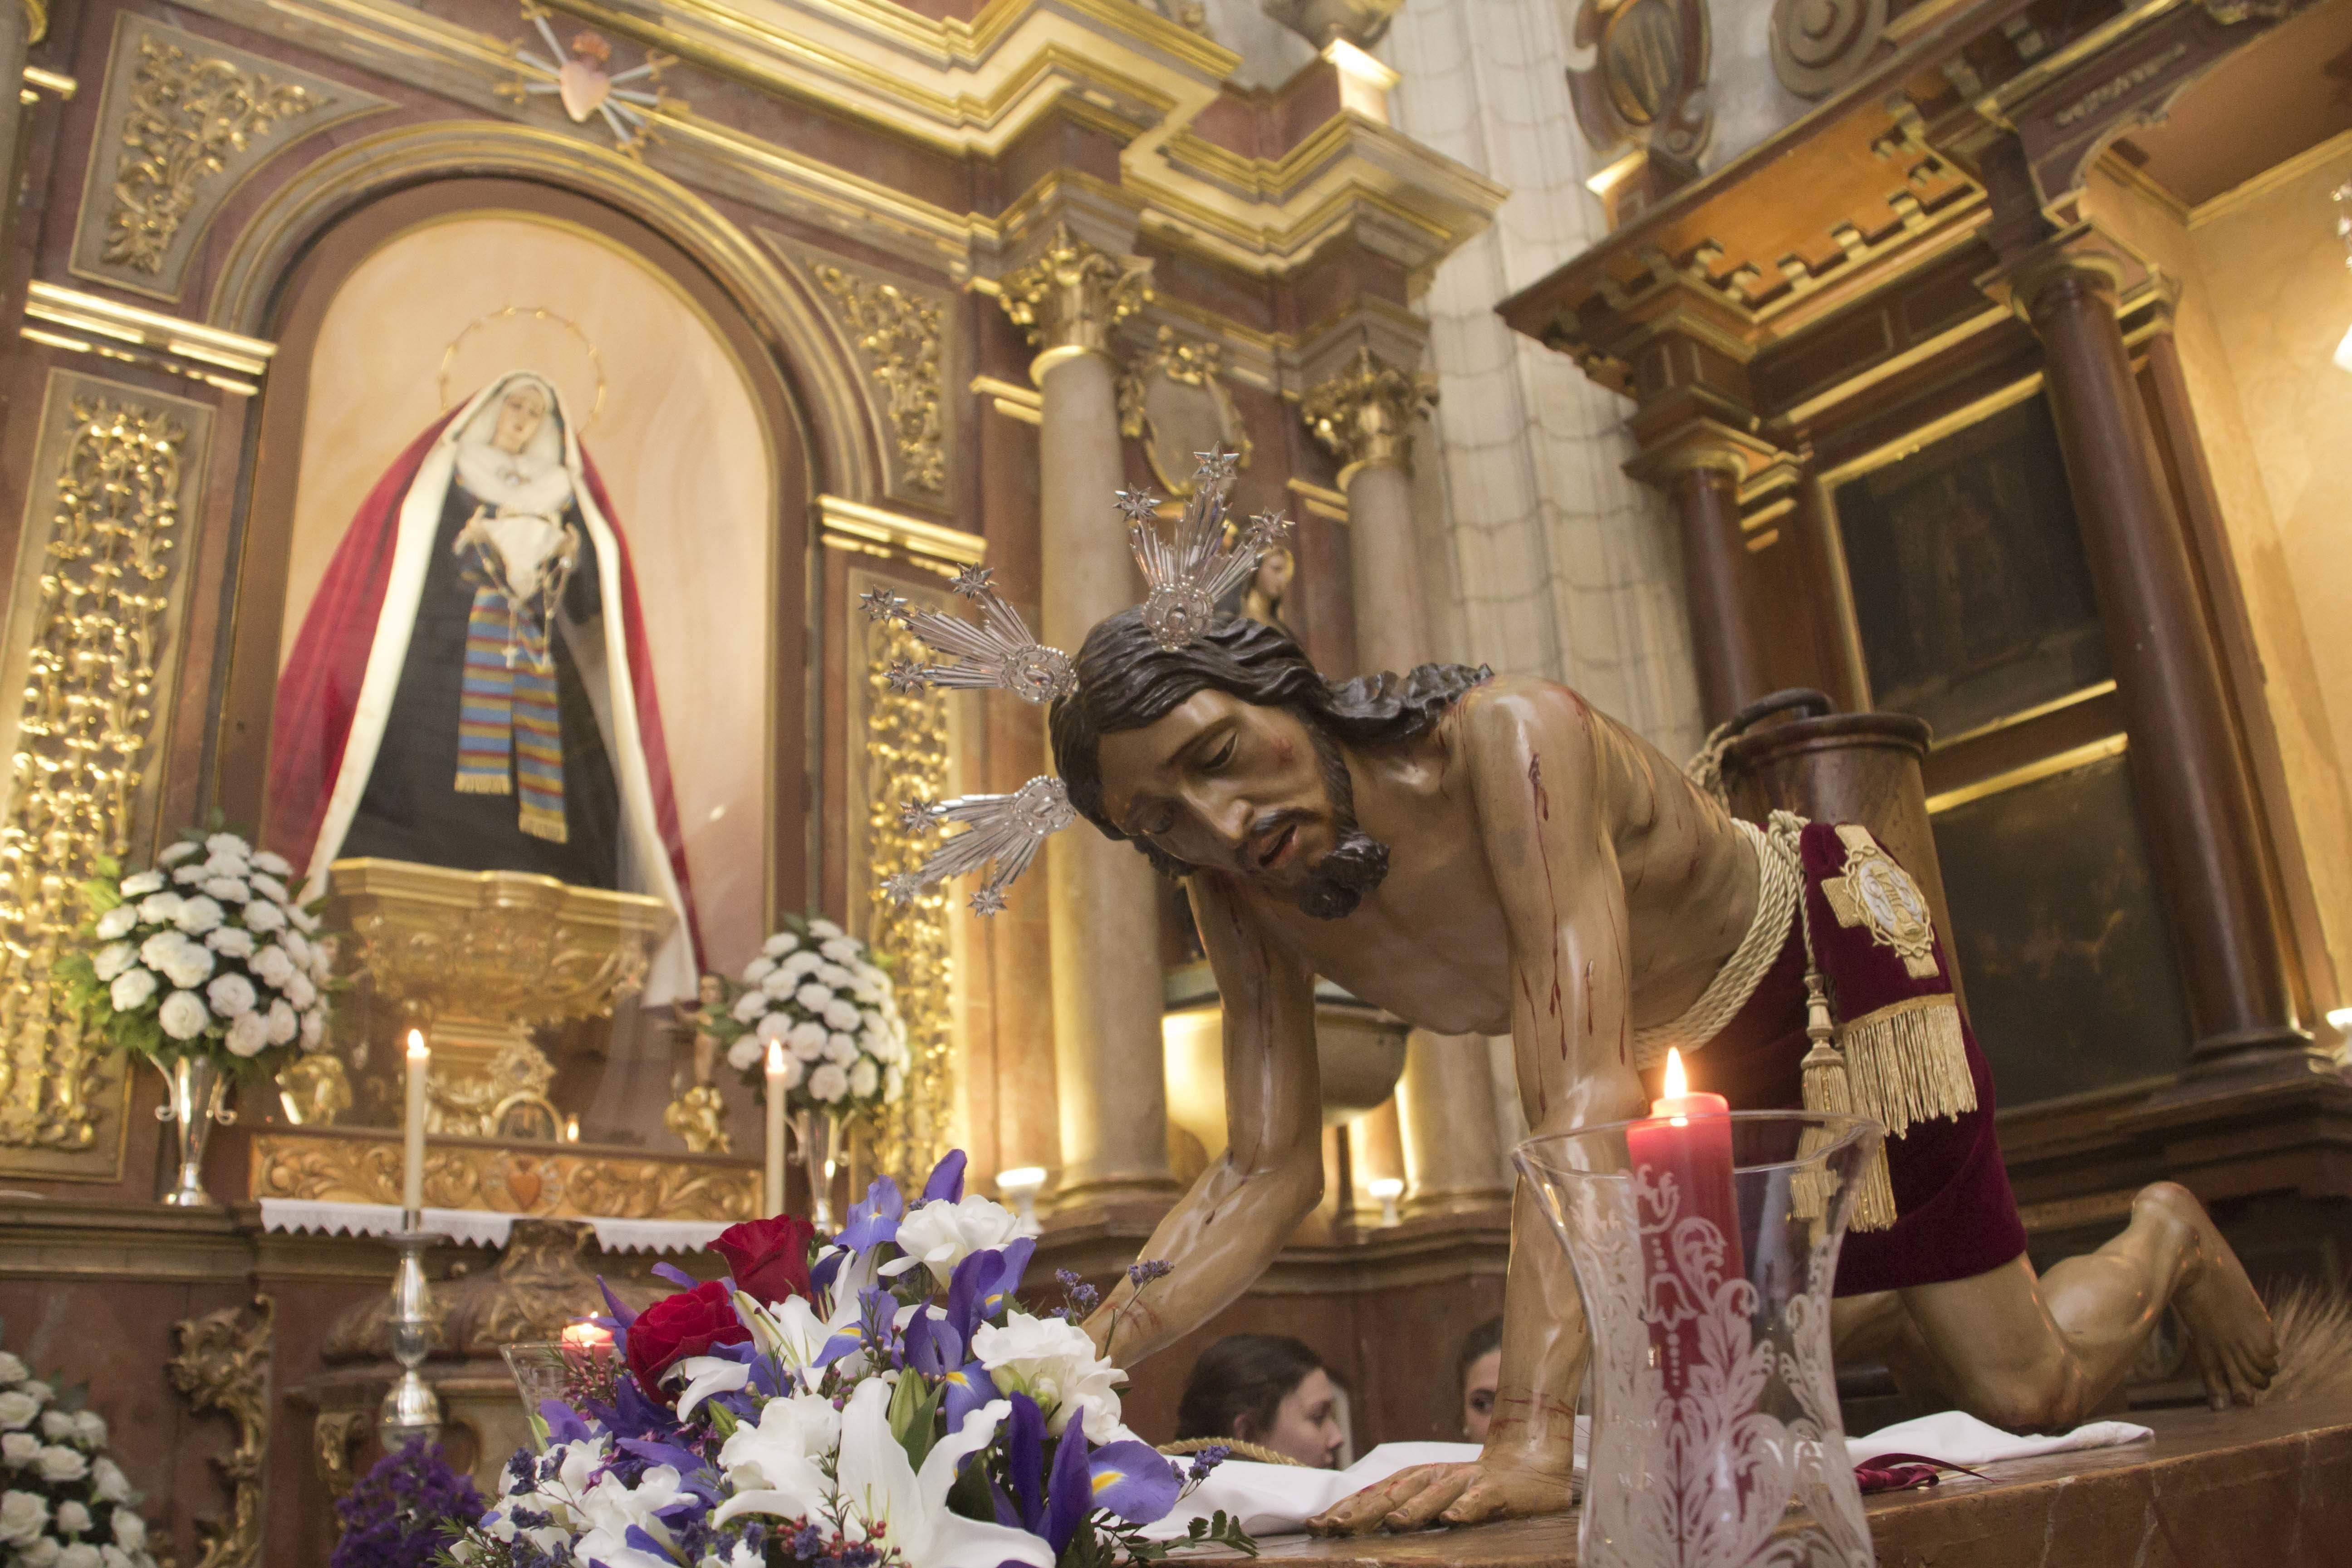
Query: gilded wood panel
92, 649
182, 121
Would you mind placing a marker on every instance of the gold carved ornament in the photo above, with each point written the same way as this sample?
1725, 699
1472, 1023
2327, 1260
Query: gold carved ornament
36, 21
1199, 365
357, 1168
223, 1364
1072, 294
1364, 415
83, 736
907, 758
335, 1435
187, 117
899, 333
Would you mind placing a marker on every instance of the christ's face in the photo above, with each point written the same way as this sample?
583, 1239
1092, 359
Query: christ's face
1218, 783
520, 414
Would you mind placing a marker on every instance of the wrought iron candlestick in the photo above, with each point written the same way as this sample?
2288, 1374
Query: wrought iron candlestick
412, 1411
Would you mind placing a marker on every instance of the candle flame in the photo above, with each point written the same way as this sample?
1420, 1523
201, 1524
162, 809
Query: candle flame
776, 1058
1677, 1083
417, 1049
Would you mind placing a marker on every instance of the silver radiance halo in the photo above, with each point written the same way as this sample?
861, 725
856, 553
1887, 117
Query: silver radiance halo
1005, 834
1187, 575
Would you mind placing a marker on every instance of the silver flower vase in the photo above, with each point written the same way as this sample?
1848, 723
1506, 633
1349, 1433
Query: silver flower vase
819, 1140
195, 1096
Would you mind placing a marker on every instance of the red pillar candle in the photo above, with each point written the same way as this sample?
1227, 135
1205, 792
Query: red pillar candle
1682, 1164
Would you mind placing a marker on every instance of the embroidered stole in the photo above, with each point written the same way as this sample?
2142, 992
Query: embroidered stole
509, 732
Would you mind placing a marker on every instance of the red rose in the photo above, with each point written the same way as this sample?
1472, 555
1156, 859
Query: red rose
676, 1327
769, 1258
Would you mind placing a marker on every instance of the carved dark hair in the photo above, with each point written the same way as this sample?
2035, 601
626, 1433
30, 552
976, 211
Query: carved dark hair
1127, 680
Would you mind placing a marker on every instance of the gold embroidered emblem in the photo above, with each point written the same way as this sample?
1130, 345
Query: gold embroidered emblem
1874, 893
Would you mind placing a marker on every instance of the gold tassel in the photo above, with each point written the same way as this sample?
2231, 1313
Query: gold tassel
1829, 1090
541, 823
1909, 1063
483, 784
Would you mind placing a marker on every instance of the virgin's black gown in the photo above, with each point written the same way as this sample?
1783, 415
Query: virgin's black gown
413, 810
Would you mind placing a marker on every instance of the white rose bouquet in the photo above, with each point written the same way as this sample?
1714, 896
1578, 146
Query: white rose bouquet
206, 954
63, 1502
818, 993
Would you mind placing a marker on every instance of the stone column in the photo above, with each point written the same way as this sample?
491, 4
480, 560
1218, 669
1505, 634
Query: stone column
1364, 415
2187, 771
1102, 913
1454, 1156
1725, 637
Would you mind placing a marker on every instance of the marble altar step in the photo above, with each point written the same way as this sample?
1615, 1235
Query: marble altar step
2265, 1487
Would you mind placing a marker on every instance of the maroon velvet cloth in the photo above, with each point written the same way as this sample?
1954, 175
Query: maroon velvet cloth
1955, 1214
319, 693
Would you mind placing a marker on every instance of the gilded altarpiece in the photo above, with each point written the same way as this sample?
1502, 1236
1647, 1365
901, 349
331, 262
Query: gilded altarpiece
92, 656
184, 120
909, 752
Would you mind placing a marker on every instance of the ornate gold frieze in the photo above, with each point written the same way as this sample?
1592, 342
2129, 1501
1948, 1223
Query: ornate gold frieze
222, 1363
1173, 399
363, 1167
97, 605
183, 117
898, 335
1364, 415
1071, 294
909, 754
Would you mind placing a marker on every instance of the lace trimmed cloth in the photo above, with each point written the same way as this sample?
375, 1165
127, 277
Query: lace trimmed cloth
480, 1227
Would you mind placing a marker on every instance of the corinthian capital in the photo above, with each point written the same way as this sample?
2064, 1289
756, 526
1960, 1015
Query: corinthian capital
1364, 415
1070, 297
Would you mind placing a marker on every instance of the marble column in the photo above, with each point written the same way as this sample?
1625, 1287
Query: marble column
1102, 912
1454, 1156
1365, 415
1725, 635
2188, 773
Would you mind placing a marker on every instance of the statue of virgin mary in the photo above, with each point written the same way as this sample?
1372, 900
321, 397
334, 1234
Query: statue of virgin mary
471, 685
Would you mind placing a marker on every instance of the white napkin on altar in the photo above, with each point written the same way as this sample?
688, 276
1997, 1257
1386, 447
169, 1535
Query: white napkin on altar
1958, 1438
1278, 1500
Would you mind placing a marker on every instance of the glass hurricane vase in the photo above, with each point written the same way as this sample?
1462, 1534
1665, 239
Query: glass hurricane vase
819, 1137
1705, 1251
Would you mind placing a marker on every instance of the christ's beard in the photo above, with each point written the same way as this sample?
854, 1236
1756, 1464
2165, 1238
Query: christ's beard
1358, 862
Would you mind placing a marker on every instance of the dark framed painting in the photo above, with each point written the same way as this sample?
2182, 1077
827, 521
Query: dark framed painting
1971, 593
2062, 945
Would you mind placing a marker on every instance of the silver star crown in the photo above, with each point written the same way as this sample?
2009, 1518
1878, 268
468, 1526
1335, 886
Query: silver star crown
1005, 834
1188, 574
998, 652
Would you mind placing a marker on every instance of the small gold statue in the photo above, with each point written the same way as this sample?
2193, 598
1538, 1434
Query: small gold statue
314, 1090
698, 1115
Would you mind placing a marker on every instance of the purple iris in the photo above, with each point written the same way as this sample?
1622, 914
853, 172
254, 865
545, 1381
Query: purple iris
1126, 1477
875, 1220
946, 1182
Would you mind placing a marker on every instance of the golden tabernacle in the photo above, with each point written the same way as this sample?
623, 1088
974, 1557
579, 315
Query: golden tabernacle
934, 784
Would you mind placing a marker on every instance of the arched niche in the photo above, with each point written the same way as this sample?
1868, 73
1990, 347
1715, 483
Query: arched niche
702, 439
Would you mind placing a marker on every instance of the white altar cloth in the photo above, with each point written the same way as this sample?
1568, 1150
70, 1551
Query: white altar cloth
480, 1227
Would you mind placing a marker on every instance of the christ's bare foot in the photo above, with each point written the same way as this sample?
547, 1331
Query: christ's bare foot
2228, 1327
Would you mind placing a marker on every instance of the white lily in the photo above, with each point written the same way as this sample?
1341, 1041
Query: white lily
878, 1491
706, 1375
780, 1453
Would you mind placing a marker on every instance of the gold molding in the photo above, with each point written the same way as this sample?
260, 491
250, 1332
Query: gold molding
58, 82
92, 651
2326, 154
222, 1363
2026, 715
543, 1181
77, 312
1319, 500
1363, 415
2041, 768
1026, 404
1070, 296
857, 525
